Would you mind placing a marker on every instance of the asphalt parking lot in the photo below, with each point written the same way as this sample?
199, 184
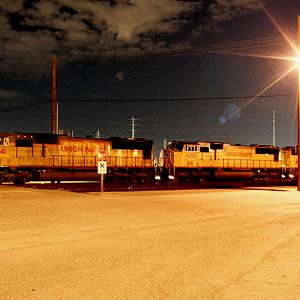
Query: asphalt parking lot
207, 244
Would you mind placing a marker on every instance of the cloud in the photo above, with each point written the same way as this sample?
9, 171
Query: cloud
224, 10
11, 6
120, 76
30, 31
220, 11
10, 94
10, 97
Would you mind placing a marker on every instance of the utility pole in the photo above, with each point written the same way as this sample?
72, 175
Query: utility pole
98, 134
54, 119
273, 126
133, 124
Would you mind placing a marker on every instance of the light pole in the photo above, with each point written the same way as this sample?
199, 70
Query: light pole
298, 102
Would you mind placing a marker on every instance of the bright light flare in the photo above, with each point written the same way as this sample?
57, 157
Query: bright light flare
285, 36
297, 59
273, 57
285, 73
281, 31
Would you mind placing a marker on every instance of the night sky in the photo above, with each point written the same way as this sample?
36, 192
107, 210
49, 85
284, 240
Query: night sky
185, 69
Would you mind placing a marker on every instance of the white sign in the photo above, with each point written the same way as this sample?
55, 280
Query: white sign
102, 167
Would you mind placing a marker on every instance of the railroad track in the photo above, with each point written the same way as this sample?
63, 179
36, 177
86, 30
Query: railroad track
89, 187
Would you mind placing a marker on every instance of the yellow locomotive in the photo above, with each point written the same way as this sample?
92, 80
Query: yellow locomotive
42, 156
207, 160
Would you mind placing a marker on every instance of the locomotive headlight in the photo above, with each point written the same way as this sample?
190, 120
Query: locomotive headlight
157, 177
291, 176
171, 177
283, 176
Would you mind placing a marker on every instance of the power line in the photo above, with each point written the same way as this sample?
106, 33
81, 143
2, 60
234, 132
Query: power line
149, 100
24, 106
219, 47
177, 99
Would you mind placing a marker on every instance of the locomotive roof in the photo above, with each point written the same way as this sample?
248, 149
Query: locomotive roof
45, 134
49, 138
214, 142
196, 142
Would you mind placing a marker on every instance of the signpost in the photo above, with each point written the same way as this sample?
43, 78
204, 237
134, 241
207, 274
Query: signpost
102, 168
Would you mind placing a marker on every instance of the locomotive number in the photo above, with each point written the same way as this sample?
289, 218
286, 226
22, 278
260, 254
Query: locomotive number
191, 155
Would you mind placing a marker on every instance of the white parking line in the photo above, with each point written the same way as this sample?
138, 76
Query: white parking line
6, 192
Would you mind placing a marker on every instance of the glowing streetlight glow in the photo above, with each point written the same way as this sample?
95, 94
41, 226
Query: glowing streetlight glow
298, 60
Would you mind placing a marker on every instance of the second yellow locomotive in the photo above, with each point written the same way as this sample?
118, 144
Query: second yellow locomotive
207, 160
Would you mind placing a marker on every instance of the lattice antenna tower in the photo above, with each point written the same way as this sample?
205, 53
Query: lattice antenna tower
133, 125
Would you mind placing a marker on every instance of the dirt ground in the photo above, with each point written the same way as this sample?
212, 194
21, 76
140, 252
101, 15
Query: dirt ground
208, 244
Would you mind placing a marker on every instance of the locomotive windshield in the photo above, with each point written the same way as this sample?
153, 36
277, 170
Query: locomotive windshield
204, 149
178, 145
24, 143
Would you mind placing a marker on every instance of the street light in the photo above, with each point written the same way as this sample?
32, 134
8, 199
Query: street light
298, 102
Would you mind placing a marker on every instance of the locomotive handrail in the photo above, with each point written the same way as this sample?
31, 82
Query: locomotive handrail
229, 163
251, 164
91, 161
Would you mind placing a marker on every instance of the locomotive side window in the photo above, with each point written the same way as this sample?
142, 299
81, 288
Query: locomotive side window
147, 154
190, 148
216, 146
24, 143
46, 138
262, 150
204, 149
